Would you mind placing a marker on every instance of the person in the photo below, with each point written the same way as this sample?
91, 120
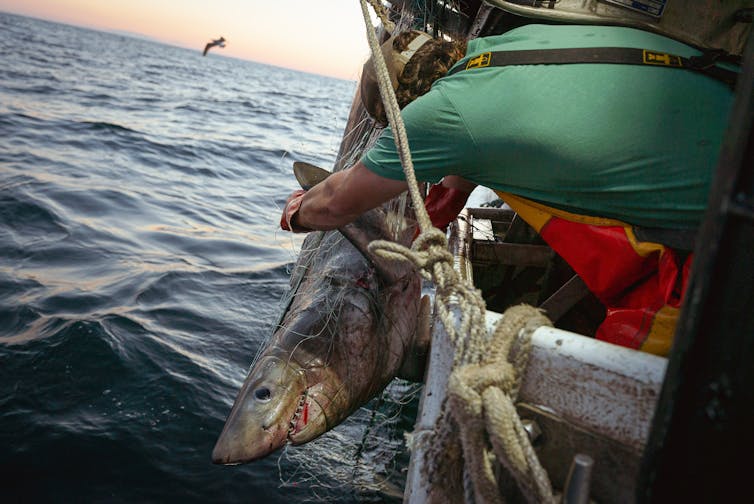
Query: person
609, 161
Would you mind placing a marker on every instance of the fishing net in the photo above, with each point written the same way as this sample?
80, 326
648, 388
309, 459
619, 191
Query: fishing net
361, 460
364, 458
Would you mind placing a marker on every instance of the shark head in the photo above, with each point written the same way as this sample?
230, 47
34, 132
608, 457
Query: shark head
264, 412
304, 381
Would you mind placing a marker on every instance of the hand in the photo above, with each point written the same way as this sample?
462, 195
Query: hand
443, 204
292, 206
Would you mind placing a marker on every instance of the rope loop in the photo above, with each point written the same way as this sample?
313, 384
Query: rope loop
432, 237
437, 258
428, 251
483, 396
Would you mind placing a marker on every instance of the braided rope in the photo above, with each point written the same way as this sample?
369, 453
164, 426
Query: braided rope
430, 250
483, 383
382, 13
481, 398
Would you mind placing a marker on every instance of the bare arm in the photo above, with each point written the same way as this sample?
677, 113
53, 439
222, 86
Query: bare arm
345, 195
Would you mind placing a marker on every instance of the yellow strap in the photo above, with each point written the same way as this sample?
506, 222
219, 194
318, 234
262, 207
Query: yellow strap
537, 215
529, 207
660, 336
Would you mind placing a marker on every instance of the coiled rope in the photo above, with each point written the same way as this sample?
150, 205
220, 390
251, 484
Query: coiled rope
484, 383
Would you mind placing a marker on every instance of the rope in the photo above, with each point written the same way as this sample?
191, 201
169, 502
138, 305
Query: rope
481, 398
430, 250
382, 13
483, 384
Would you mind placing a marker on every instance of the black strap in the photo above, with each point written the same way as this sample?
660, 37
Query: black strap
619, 55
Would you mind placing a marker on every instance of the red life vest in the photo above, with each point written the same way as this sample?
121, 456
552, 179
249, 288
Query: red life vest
641, 283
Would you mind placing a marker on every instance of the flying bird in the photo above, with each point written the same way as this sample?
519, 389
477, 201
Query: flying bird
217, 42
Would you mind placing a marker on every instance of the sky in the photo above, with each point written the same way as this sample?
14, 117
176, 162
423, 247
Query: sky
326, 37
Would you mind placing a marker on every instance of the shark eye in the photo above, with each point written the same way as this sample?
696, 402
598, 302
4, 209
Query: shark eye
263, 394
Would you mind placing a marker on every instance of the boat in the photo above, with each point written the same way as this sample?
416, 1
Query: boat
608, 423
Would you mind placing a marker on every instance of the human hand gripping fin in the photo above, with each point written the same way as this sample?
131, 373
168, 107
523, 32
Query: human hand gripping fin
307, 176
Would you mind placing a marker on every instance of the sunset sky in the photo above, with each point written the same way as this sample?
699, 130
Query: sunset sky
324, 36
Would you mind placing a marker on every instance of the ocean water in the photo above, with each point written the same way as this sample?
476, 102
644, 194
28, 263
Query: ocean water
141, 268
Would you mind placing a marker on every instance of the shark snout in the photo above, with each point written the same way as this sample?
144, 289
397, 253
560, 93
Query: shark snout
259, 422
226, 452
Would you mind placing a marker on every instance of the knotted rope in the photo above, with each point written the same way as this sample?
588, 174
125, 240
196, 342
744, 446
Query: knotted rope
484, 383
481, 398
430, 250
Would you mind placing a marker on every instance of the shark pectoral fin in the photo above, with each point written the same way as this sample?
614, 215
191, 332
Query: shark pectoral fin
309, 175
368, 227
415, 361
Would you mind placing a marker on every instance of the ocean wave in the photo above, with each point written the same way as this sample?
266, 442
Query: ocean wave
100, 125
141, 262
25, 216
20, 120
35, 89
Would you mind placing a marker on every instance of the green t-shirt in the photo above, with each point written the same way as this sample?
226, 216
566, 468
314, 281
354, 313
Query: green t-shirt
629, 142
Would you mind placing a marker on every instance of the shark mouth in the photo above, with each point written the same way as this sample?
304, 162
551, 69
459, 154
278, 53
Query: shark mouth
301, 416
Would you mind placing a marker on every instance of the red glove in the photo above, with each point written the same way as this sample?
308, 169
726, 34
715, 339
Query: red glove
443, 204
289, 212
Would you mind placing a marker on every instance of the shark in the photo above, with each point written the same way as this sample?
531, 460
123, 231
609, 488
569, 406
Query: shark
354, 322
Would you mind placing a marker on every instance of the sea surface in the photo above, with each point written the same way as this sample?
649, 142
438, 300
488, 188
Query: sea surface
141, 268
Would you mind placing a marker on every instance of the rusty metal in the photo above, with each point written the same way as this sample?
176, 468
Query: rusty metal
482, 15
612, 478
459, 245
586, 396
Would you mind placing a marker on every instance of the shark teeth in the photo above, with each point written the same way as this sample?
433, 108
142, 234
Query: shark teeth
297, 414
